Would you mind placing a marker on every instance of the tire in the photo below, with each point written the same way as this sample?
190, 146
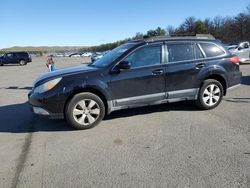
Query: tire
1, 64
84, 111
22, 63
208, 100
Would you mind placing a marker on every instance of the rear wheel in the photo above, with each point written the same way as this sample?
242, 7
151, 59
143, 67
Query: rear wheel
210, 95
84, 111
22, 62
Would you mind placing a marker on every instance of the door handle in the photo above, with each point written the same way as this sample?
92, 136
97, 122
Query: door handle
200, 66
158, 72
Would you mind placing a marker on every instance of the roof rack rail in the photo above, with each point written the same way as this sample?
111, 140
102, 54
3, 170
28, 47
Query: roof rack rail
202, 36
181, 36
205, 36
151, 39
137, 40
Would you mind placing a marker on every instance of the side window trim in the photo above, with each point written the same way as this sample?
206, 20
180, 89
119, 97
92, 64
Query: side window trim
160, 44
202, 51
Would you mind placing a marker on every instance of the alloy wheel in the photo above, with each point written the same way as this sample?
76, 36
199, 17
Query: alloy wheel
211, 95
86, 112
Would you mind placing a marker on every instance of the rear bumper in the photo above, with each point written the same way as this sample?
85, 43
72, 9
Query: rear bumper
234, 79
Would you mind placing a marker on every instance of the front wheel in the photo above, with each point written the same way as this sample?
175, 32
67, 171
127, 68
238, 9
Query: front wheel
22, 62
210, 95
84, 111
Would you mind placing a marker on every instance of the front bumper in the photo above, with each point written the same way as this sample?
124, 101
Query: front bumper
46, 105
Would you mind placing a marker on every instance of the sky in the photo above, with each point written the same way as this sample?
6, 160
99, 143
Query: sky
94, 22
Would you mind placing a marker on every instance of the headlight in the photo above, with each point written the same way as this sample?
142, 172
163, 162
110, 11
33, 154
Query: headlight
47, 86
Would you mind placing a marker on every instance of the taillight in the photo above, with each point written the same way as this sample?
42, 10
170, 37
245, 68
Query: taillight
235, 60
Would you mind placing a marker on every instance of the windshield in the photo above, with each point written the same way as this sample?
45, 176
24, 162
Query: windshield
108, 58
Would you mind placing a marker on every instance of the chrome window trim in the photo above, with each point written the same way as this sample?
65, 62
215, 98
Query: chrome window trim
202, 51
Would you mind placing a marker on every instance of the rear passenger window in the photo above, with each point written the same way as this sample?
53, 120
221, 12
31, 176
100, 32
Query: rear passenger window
211, 50
180, 52
198, 53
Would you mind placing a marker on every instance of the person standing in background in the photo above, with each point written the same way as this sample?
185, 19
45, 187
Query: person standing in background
50, 64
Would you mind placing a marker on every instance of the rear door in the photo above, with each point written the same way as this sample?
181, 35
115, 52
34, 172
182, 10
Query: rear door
184, 61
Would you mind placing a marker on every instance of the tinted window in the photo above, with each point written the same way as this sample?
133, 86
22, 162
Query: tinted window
22, 54
211, 50
180, 52
145, 56
198, 53
108, 58
9, 55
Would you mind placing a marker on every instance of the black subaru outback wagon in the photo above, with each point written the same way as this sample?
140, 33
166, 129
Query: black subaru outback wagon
138, 73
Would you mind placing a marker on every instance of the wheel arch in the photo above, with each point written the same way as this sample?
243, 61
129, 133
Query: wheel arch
90, 90
219, 78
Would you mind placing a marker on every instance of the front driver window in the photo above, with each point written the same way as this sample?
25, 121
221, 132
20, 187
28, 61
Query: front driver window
145, 56
9, 55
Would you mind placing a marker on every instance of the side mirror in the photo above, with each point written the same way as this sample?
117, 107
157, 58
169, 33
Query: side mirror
124, 65
240, 48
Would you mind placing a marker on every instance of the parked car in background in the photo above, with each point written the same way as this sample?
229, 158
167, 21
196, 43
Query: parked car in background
87, 54
21, 58
242, 50
138, 73
98, 55
75, 55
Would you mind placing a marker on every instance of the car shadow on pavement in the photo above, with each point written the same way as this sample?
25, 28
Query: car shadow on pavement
18, 118
18, 88
245, 80
12, 65
179, 106
238, 100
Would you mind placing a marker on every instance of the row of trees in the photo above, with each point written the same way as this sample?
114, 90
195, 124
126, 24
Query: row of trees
227, 29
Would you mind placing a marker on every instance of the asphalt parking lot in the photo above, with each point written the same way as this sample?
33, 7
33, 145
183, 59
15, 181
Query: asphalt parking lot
171, 145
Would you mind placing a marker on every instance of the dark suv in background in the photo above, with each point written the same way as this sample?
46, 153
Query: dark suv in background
138, 73
21, 58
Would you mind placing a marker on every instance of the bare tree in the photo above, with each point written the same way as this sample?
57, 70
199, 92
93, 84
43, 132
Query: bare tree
170, 30
189, 24
248, 9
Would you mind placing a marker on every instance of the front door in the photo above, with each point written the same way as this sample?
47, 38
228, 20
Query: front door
144, 82
9, 58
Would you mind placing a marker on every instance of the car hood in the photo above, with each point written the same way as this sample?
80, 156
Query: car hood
63, 72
